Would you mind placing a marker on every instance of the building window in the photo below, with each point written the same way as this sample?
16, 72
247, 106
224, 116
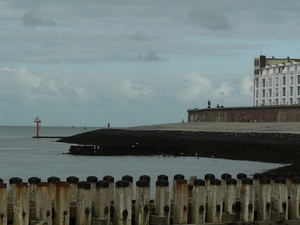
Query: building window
270, 102
283, 81
256, 102
291, 101
298, 88
264, 93
298, 101
298, 79
283, 91
264, 82
277, 81
270, 82
283, 101
270, 92
291, 80
276, 91
256, 94
276, 101
291, 91
263, 102
256, 83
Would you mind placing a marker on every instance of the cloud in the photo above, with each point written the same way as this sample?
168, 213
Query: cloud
151, 56
136, 91
32, 19
225, 88
140, 36
195, 87
208, 18
246, 87
28, 79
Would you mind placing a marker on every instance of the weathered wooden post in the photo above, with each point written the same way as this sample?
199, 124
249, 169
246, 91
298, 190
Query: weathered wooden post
84, 203
61, 204
102, 201
214, 202
162, 200
289, 180
111, 182
247, 200
162, 177
191, 185
176, 177
224, 178
12, 188
239, 178
207, 178
3, 203
256, 183
198, 202
272, 177
21, 204
145, 177
43, 209
92, 180
122, 203
142, 208
52, 181
129, 179
264, 199
72, 180
181, 202
295, 199
280, 199
230, 201
33, 185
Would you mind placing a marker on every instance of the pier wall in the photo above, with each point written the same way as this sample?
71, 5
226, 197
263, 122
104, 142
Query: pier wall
263, 199
290, 113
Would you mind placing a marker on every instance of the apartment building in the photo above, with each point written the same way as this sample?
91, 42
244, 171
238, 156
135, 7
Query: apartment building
276, 81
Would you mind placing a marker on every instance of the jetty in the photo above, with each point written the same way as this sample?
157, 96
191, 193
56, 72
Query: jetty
261, 200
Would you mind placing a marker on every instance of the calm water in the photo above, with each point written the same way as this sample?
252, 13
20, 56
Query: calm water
23, 156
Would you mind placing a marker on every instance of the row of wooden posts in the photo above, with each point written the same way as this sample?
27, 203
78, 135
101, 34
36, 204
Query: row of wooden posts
192, 201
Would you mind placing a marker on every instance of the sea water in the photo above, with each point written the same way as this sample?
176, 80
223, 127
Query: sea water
23, 156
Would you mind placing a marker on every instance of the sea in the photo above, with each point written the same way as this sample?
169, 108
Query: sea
23, 156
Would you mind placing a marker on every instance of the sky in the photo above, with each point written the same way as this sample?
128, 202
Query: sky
132, 63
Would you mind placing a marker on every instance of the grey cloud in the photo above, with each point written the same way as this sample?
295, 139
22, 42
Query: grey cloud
151, 56
208, 18
32, 19
140, 36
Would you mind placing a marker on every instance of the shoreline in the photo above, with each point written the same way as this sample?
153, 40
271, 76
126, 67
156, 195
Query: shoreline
264, 142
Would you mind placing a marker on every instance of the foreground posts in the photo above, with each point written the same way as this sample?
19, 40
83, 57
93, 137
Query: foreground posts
295, 199
181, 202
52, 181
102, 201
280, 198
198, 202
73, 187
264, 200
33, 185
247, 200
122, 203
162, 200
21, 204
12, 188
3, 204
84, 203
111, 182
43, 211
62, 204
142, 209
230, 198
214, 202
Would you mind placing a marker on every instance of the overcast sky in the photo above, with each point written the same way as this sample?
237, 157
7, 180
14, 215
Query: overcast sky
87, 63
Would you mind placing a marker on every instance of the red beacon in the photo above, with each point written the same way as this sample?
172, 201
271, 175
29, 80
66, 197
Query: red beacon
37, 120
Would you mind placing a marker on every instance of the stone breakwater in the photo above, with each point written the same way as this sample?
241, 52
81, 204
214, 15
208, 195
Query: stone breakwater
265, 147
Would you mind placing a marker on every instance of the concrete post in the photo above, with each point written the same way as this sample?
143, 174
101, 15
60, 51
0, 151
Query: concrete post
256, 184
3, 204
72, 180
122, 203
224, 177
43, 212
176, 177
239, 178
61, 204
247, 200
111, 181
142, 208
92, 180
102, 201
162, 200
198, 202
181, 202
33, 185
214, 202
52, 181
129, 179
230, 196
84, 203
191, 185
12, 188
264, 200
280, 197
21, 204
295, 199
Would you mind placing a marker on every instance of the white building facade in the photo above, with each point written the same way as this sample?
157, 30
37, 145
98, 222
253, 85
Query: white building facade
277, 84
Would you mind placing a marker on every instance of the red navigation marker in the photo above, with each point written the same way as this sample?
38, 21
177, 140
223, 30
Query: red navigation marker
37, 120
